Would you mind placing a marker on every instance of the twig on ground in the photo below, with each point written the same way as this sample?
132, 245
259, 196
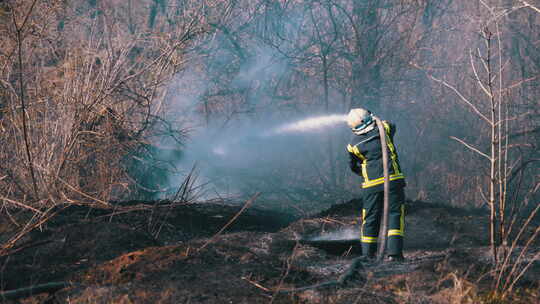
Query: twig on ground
246, 205
5, 248
332, 220
30, 245
33, 290
279, 288
256, 284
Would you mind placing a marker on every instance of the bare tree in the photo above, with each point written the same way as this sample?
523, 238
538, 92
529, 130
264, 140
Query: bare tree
497, 105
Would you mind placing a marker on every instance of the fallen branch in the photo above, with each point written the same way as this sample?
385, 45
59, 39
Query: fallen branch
256, 284
51, 287
246, 205
5, 248
29, 245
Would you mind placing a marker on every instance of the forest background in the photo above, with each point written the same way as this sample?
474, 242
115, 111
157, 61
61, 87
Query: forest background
106, 101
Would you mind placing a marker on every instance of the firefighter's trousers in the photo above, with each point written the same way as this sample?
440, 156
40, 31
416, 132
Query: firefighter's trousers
372, 212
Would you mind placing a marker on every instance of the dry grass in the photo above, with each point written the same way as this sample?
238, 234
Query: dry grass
80, 94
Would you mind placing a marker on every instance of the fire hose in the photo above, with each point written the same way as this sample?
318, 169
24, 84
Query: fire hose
384, 228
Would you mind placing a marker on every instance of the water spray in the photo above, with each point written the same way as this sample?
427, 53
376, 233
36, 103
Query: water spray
345, 234
308, 124
239, 155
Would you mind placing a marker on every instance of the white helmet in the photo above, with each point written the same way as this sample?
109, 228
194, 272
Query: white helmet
360, 120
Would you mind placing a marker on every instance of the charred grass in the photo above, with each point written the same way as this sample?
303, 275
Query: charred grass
175, 256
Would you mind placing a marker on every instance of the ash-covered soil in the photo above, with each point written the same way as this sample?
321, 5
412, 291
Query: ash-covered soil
181, 254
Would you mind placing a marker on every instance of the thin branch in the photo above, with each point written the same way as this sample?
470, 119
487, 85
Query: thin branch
471, 147
483, 60
469, 103
527, 4
34, 222
483, 195
18, 30
534, 259
21, 205
521, 82
82, 193
478, 77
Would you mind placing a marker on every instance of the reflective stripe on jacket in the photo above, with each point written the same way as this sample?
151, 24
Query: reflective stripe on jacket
366, 158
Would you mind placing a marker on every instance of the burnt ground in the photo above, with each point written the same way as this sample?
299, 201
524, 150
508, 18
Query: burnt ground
174, 254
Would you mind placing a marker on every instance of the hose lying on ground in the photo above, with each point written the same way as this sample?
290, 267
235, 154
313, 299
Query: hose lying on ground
347, 277
353, 275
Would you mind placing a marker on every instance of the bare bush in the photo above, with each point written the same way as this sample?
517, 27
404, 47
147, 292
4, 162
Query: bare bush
83, 90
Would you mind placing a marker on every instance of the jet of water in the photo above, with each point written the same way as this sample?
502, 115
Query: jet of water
308, 124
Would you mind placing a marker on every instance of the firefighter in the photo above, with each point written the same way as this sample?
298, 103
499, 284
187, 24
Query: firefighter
366, 161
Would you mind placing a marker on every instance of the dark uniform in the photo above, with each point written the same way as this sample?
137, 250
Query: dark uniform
366, 160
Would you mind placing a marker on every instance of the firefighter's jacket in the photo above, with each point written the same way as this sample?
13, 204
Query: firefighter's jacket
366, 159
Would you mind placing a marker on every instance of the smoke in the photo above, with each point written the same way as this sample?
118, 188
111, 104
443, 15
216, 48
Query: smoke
262, 104
345, 234
252, 127
238, 156
244, 136
259, 155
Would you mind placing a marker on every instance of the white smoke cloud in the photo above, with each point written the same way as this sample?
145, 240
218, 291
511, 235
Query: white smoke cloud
345, 234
